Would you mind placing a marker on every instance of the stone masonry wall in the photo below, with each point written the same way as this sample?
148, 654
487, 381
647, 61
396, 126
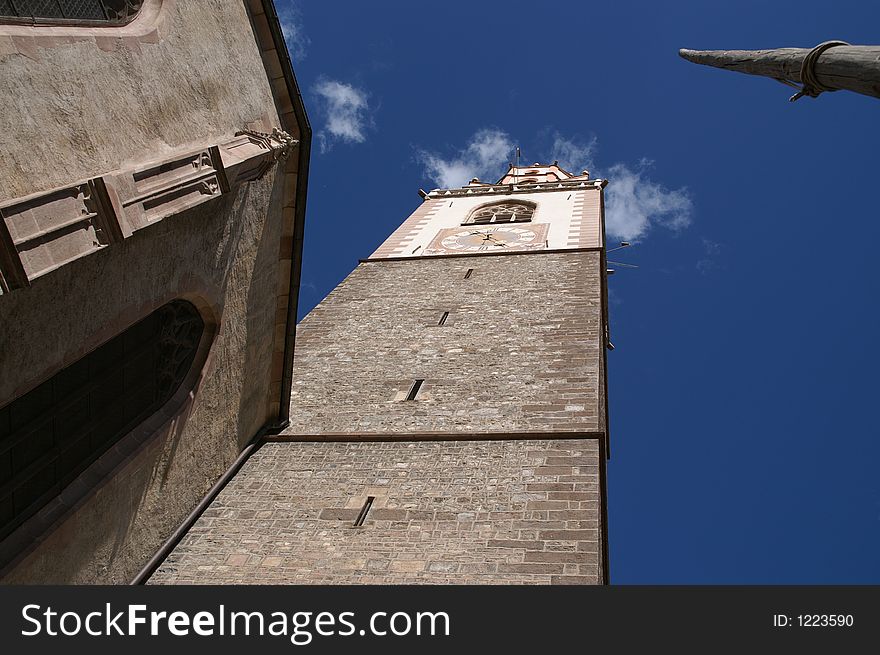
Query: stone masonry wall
521, 349
463, 512
495, 496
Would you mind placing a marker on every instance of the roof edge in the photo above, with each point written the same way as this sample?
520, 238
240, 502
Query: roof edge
303, 155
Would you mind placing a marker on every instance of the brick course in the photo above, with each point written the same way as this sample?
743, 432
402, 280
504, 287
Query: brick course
444, 512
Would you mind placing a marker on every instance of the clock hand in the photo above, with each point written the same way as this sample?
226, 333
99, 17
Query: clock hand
489, 237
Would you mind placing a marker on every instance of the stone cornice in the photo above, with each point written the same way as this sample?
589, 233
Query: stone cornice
413, 258
507, 189
444, 435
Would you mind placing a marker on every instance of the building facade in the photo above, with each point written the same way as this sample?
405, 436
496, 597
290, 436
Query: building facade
448, 414
154, 167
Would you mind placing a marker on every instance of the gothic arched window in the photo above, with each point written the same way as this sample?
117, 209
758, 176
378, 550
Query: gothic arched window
503, 212
51, 434
112, 12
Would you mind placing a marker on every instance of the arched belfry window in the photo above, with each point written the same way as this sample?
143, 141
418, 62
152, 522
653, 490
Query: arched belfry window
108, 12
504, 212
51, 434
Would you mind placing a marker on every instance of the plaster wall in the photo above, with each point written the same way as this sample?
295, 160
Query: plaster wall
79, 105
573, 216
223, 255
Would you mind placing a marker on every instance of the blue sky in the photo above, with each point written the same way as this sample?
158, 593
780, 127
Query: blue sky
744, 383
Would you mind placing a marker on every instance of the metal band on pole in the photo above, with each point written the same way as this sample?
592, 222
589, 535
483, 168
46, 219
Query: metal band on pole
811, 86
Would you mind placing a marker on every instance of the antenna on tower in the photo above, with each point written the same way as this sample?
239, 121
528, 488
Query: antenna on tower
517, 154
623, 244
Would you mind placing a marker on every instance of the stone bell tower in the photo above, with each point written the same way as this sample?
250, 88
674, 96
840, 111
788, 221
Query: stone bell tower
448, 416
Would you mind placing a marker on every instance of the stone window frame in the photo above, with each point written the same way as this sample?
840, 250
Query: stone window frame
498, 213
38, 12
166, 419
28, 38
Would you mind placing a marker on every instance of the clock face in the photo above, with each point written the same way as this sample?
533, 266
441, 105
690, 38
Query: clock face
484, 238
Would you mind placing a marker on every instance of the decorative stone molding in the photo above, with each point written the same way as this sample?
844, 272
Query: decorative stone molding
160, 189
505, 189
252, 153
40, 233
149, 26
44, 231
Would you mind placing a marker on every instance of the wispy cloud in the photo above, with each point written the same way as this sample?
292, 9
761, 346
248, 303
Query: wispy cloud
311, 287
486, 155
346, 111
709, 261
292, 28
573, 154
634, 203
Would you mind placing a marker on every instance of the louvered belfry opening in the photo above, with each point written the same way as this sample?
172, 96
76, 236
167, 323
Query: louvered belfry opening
51, 434
506, 212
112, 12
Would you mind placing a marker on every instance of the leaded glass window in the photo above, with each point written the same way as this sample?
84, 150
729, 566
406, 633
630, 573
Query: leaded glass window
116, 12
51, 434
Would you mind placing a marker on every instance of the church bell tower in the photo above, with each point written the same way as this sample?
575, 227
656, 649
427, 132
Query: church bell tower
448, 416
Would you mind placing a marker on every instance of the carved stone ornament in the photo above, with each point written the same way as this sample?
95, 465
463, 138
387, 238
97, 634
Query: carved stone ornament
279, 142
44, 231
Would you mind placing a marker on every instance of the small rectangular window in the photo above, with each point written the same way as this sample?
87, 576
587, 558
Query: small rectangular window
414, 390
362, 516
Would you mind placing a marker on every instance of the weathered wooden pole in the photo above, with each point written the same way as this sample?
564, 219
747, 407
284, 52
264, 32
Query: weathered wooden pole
830, 66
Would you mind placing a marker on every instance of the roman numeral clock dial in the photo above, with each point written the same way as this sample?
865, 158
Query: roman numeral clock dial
480, 239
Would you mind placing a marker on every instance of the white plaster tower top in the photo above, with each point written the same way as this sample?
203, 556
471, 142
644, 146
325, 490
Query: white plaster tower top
537, 207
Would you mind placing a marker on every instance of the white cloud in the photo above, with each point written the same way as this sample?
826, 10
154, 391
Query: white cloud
347, 113
634, 203
573, 155
486, 156
291, 26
